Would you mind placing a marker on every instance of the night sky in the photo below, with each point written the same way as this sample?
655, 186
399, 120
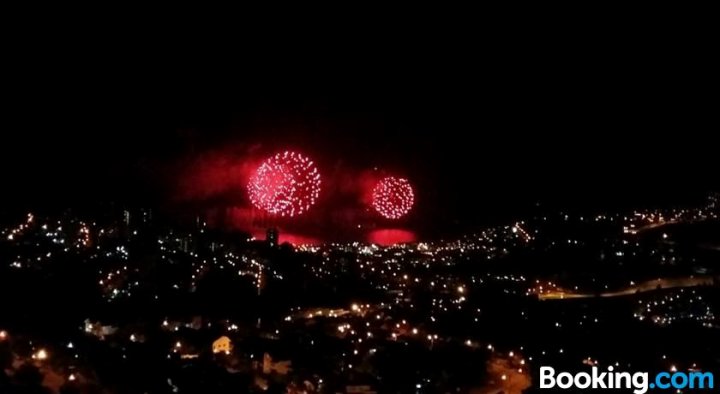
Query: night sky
482, 133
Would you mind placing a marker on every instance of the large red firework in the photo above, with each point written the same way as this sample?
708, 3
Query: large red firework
286, 184
393, 197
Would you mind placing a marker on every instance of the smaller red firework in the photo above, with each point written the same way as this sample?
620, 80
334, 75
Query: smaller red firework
393, 197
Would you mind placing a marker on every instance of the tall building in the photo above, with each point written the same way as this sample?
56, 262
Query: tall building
714, 201
146, 215
272, 236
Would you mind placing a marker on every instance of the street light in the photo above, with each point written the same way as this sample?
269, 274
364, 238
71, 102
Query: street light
41, 355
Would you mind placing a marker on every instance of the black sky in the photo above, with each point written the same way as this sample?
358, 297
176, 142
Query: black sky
493, 128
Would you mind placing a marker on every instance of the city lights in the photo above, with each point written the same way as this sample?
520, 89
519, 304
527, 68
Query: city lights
433, 296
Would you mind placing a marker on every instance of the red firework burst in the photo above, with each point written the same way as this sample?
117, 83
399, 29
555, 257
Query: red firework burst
393, 197
286, 184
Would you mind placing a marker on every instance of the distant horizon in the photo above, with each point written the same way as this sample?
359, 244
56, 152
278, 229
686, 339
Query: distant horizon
309, 229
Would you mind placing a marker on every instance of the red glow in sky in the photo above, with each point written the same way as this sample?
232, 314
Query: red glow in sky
286, 184
385, 237
393, 197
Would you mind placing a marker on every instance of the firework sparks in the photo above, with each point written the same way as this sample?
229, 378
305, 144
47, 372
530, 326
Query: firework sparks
393, 197
286, 184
